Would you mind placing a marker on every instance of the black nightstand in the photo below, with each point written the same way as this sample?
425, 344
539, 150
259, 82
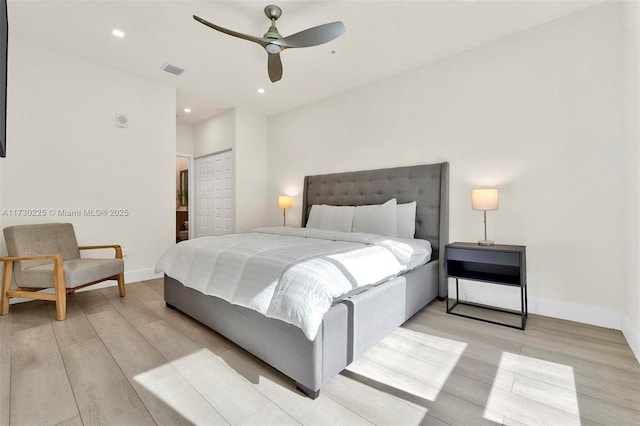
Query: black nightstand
497, 264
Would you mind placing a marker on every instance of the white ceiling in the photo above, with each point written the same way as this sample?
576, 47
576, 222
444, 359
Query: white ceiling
383, 38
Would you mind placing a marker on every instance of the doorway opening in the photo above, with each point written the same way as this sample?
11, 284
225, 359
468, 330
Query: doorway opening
183, 199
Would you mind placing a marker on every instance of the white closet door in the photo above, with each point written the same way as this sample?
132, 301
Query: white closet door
214, 194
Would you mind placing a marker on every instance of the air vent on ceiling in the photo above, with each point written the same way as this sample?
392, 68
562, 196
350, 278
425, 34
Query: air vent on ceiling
172, 69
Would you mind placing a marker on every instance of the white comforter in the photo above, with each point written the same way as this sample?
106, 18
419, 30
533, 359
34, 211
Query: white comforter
292, 274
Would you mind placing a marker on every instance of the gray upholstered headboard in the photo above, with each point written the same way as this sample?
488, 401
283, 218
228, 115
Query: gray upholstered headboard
427, 184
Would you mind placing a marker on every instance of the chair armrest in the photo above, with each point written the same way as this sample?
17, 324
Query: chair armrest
116, 247
58, 275
53, 257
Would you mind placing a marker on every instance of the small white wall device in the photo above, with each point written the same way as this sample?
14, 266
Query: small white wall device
122, 121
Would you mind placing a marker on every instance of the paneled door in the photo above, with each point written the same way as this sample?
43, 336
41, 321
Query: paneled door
214, 194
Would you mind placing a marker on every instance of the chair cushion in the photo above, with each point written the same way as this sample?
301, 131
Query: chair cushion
76, 272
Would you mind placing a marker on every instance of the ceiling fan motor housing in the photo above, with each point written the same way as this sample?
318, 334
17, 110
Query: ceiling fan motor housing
272, 33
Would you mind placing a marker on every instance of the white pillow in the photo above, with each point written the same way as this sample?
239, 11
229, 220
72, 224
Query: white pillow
381, 219
314, 216
407, 220
331, 218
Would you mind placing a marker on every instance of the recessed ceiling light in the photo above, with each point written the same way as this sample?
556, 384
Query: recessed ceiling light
261, 90
116, 32
187, 110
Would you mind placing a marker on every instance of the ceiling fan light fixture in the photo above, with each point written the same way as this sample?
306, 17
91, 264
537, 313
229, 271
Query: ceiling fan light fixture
272, 48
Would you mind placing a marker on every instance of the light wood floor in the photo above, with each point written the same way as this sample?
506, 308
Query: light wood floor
133, 361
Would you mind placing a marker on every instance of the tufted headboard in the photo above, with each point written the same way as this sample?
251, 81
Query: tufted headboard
427, 184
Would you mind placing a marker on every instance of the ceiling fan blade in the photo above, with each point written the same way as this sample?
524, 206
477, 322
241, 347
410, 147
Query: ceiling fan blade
262, 42
312, 36
274, 65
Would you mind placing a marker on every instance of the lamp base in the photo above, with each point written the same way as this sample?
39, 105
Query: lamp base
485, 243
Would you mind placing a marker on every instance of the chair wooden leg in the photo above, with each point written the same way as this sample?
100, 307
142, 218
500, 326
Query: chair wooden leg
61, 306
60, 288
6, 285
121, 288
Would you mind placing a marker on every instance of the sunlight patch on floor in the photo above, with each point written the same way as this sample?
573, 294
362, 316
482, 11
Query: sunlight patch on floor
533, 391
412, 362
209, 392
166, 384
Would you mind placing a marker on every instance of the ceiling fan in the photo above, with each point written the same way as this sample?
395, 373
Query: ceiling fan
274, 43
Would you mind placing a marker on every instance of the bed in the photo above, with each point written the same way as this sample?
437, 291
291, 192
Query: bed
353, 325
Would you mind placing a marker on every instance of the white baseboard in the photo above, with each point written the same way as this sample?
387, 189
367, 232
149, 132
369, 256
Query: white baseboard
141, 275
129, 277
632, 334
587, 314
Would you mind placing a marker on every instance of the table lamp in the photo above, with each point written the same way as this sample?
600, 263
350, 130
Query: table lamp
284, 203
484, 199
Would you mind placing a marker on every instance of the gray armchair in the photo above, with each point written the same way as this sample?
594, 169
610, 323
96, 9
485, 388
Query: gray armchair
48, 256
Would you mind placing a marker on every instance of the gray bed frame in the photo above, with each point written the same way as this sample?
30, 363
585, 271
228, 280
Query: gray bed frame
357, 323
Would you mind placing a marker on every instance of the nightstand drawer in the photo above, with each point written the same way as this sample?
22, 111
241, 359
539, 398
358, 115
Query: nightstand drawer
484, 256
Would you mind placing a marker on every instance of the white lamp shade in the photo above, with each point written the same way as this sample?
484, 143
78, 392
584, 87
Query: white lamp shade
285, 202
484, 199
